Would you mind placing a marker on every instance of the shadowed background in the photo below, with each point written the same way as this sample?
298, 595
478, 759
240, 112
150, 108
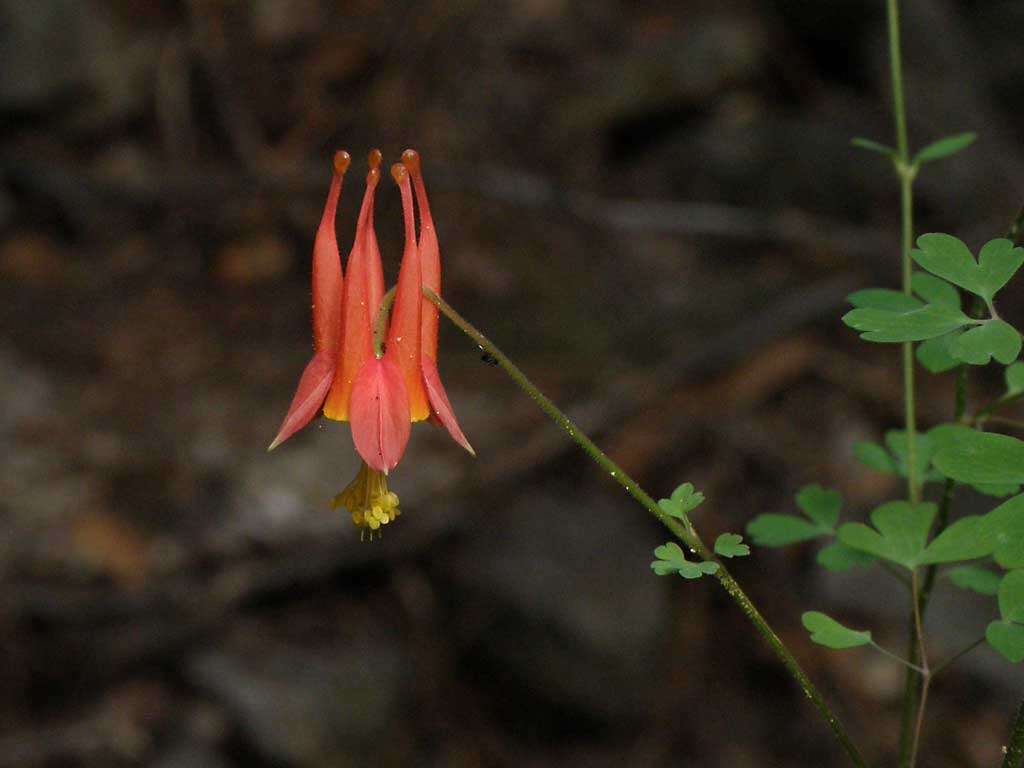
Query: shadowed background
653, 208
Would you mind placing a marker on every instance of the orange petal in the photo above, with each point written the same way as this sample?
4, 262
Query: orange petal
312, 390
403, 343
442, 409
379, 412
430, 254
327, 279
364, 288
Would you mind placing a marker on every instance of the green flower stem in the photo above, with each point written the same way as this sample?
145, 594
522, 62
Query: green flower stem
926, 678
1015, 749
906, 172
685, 532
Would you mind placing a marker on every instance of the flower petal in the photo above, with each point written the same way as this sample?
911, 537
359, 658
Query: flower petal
309, 395
403, 344
439, 404
430, 254
379, 413
364, 288
327, 279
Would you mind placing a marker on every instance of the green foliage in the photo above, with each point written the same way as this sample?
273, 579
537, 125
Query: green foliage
1015, 379
684, 500
884, 298
999, 533
934, 354
1007, 638
960, 541
828, 632
994, 338
891, 459
900, 533
839, 557
671, 559
935, 290
951, 437
974, 457
1007, 635
949, 258
944, 147
975, 578
925, 322
873, 146
820, 506
730, 545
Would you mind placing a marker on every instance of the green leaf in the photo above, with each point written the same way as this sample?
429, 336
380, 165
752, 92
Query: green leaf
1006, 638
949, 258
999, 490
772, 530
934, 355
934, 290
981, 457
963, 540
839, 557
945, 147
828, 632
873, 146
998, 261
873, 456
728, 545
1011, 597
999, 533
897, 443
671, 559
884, 298
683, 501
901, 535
1015, 379
821, 505
979, 345
927, 322
975, 578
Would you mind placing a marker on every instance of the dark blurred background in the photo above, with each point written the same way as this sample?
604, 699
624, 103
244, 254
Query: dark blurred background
653, 207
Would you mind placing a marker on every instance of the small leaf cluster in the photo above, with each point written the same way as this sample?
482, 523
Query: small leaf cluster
683, 500
821, 508
937, 150
934, 315
671, 559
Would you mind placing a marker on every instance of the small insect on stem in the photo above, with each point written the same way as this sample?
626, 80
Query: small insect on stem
488, 358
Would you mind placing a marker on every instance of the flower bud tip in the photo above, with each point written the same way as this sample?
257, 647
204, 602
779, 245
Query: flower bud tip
374, 159
398, 173
341, 161
411, 160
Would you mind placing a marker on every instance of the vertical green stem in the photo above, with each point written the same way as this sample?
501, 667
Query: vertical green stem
685, 532
1015, 749
906, 172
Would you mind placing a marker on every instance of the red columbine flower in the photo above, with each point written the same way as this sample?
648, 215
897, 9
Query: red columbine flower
379, 392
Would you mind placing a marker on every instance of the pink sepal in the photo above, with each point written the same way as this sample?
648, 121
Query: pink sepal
379, 413
309, 396
440, 407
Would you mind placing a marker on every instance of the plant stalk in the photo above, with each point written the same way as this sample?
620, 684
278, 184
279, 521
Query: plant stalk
683, 531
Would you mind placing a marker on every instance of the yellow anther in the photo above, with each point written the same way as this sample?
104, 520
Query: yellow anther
368, 500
